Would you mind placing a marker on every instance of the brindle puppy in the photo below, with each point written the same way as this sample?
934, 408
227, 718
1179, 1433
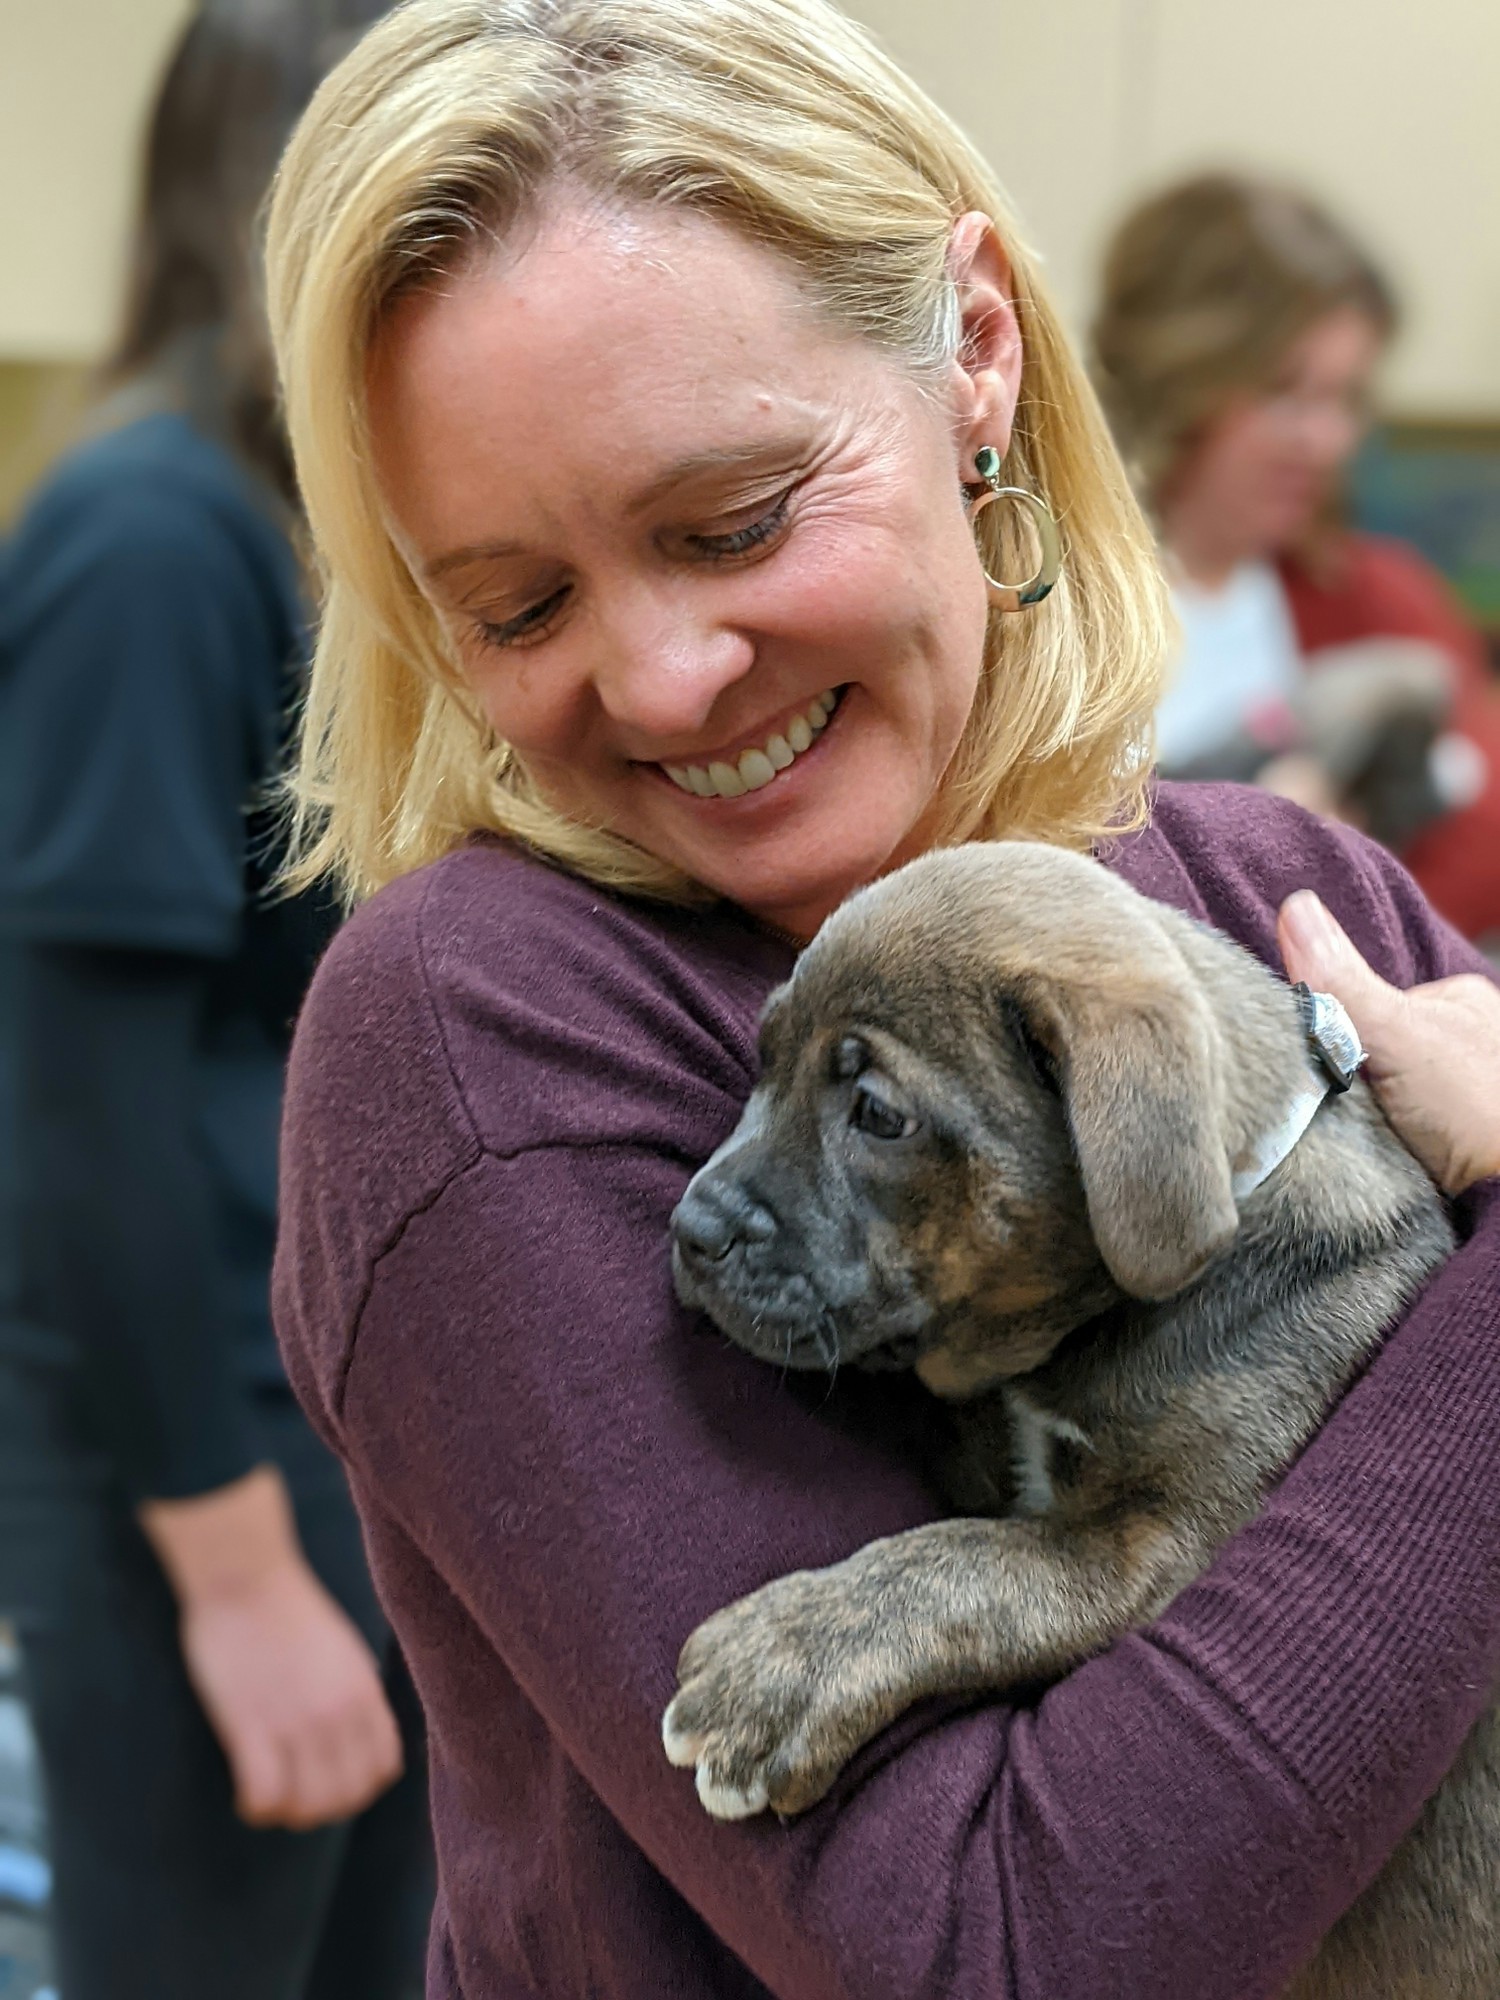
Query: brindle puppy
1008, 1121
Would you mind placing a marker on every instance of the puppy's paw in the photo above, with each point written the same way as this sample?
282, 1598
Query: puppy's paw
776, 1694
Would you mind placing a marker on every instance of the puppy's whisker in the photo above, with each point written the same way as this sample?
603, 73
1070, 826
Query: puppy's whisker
828, 1349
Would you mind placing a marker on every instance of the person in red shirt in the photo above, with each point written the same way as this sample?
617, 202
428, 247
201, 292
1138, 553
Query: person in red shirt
1238, 332
1371, 587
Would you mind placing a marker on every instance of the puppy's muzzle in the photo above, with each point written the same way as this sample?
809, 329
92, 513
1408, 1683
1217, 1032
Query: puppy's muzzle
716, 1217
732, 1259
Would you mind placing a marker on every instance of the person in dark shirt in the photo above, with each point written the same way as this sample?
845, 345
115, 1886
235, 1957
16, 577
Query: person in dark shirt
222, 1715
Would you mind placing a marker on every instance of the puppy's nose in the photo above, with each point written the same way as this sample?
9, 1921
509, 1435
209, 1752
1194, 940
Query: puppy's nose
702, 1230
713, 1217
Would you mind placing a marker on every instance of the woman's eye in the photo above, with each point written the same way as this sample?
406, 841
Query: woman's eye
877, 1116
527, 627
744, 541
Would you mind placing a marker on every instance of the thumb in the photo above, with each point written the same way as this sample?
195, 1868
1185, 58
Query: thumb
1316, 948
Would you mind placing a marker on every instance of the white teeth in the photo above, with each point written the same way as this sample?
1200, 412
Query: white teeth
756, 768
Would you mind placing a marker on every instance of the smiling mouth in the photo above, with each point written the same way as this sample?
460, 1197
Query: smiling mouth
760, 765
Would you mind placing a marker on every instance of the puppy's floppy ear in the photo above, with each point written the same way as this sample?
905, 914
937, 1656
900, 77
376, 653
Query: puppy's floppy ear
1139, 1064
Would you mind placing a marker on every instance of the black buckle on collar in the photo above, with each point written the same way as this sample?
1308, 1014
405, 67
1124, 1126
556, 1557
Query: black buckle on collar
1331, 1036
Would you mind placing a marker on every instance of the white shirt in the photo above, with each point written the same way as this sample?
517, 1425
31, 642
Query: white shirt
1239, 654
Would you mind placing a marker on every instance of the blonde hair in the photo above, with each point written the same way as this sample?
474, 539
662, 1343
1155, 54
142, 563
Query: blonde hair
1205, 287
784, 121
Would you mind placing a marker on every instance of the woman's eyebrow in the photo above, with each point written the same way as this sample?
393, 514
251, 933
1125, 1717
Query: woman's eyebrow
475, 552
721, 458
694, 465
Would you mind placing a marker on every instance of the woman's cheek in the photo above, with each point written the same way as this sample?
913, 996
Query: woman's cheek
848, 592
524, 698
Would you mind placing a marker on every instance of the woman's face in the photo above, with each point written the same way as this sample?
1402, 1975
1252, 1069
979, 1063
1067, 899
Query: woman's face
1256, 481
671, 519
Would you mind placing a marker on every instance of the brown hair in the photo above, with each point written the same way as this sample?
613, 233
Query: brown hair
234, 87
1205, 287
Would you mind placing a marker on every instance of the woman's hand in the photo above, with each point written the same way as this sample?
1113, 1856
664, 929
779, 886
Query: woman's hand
1434, 1051
289, 1685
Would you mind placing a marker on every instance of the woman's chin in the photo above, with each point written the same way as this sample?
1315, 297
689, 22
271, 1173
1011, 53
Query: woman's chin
789, 858
797, 895
1290, 519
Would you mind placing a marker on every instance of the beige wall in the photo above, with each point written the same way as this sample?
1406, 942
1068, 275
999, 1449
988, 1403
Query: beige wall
1391, 109
74, 76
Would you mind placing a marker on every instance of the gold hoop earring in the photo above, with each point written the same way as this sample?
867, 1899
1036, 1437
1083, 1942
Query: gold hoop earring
1017, 596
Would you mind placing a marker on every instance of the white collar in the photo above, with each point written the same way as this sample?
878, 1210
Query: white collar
1335, 1054
1266, 1154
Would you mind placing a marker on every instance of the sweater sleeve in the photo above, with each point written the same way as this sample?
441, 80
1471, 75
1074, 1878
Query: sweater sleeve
591, 1474
123, 1223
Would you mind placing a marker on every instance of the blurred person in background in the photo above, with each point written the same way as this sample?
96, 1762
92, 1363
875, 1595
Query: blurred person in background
233, 1762
1237, 337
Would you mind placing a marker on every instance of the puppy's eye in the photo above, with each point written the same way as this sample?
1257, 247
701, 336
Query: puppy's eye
877, 1116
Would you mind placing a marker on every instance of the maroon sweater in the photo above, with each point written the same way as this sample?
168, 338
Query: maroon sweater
501, 1083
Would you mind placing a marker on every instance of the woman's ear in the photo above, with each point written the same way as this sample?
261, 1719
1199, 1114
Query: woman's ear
986, 373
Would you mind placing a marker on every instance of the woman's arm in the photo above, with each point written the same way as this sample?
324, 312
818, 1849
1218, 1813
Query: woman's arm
502, 1082
126, 1232
591, 1474
120, 1212
138, 631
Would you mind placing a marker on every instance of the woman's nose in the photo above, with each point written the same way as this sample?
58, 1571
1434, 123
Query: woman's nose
1330, 430
663, 660
1328, 438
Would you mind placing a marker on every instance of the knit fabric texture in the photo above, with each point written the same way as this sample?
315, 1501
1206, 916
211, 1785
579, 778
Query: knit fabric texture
501, 1083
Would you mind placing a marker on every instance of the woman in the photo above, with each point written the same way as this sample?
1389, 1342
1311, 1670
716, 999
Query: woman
204, 1652
638, 376
1238, 331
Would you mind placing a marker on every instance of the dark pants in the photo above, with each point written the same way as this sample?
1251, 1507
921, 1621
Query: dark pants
159, 1891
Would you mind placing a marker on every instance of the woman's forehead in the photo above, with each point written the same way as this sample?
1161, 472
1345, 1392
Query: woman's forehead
623, 346
585, 284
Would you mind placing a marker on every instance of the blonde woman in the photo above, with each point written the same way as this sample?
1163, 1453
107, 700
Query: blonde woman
646, 368
1239, 332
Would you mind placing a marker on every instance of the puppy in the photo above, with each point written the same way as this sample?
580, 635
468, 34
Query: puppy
1071, 1156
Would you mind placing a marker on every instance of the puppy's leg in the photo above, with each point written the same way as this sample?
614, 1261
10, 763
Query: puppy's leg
778, 1691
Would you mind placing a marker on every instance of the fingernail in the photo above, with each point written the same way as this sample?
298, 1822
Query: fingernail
1311, 926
